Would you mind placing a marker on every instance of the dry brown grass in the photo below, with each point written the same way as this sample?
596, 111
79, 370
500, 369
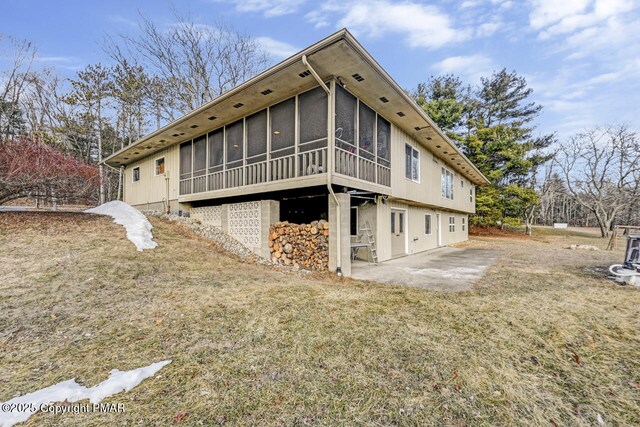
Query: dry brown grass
543, 339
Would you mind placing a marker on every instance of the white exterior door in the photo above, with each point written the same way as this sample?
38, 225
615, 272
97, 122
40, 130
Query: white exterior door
398, 230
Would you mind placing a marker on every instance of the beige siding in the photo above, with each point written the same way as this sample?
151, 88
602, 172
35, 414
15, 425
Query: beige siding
428, 190
153, 189
417, 240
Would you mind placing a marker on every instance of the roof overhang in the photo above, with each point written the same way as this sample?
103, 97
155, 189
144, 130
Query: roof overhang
340, 56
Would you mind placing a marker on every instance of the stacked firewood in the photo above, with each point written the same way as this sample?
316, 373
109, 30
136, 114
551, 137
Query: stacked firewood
301, 245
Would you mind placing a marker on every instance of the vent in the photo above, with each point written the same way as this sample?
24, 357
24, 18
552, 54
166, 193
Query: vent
175, 135
238, 105
266, 92
137, 152
384, 99
162, 140
148, 148
181, 133
401, 114
417, 128
445, 152
212, 118
428, 138
305, 74
193, 126
126, 158
438, 146
358, 77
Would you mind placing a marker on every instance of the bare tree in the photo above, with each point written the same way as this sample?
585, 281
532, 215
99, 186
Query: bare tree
601, 168
195, 62
14, 81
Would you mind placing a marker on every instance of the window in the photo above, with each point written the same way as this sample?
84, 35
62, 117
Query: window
471, 194
452, 224
257, 137
446, 183
234, 137
461, 183
312, 116
412, 163
366, 132
136, 174
464, 223
384, 138
216, 149
393, 222
401, 222
159, 166
354, 220
427, 224
185, 160
346, 109
200, 156
283, 124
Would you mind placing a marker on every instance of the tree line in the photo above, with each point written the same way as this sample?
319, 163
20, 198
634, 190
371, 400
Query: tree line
160, 73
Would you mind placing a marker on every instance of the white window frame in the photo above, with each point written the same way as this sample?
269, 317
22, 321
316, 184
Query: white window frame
471, 194
452, 224
417, 157
446, 183
464, 223
155, 166
133, 174
430, 225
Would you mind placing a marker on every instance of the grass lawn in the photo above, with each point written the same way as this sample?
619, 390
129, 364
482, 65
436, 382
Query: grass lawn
542, 340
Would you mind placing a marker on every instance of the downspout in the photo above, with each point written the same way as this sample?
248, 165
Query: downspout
330, 144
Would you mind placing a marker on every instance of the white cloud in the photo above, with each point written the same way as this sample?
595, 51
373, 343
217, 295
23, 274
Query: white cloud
269, 8
470, 67
276, 48
422, 25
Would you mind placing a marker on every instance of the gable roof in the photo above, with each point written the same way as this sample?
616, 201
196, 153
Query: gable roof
338, 55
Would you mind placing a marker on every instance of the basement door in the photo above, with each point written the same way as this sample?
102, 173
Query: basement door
398, 237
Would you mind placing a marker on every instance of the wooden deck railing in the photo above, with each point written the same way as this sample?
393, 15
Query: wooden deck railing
305, 163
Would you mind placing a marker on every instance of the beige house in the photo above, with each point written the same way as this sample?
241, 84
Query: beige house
325, 134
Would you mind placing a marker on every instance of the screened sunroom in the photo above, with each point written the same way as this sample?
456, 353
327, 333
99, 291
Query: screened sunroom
289, 140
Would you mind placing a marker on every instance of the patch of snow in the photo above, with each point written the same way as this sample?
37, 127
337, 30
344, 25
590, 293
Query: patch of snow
71, 391
137, 226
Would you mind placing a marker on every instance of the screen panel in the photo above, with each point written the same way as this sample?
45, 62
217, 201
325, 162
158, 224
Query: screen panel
312, 111
234, 134
282, 117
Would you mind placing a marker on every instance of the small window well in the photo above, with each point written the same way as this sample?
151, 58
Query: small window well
358, 77
305, 73
266, 92
238, 105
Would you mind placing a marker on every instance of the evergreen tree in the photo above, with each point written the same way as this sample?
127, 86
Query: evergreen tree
493, 125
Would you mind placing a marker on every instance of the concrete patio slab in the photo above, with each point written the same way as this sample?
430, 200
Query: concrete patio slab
442, 269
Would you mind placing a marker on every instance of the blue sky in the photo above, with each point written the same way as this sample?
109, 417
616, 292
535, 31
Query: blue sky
582, 57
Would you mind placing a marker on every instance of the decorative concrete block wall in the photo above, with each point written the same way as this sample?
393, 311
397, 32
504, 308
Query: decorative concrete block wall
247, 222
209, 215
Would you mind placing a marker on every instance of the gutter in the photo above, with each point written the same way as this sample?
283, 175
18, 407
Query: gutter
330, 143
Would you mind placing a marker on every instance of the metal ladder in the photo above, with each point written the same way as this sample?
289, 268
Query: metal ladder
371, 241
